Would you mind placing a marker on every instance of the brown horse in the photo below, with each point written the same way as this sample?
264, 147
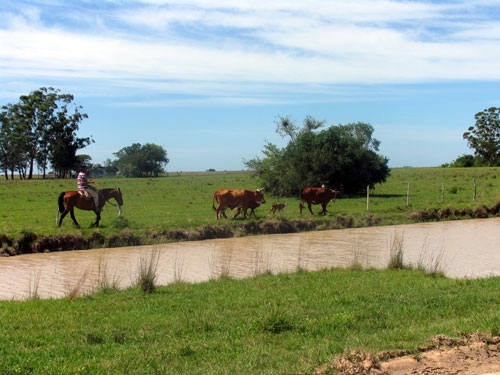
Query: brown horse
68, 200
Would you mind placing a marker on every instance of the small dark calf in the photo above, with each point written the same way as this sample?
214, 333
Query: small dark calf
277, 206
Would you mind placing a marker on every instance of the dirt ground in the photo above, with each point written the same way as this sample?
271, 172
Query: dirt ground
475, 354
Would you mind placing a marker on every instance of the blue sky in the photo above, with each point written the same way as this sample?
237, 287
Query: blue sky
207, 79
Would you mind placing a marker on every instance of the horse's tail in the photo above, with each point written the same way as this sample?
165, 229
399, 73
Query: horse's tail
60, 200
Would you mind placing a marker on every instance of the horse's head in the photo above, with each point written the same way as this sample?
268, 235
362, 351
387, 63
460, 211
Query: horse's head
118, 196
119, 199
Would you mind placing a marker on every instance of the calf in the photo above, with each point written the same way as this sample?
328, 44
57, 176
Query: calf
243, 210
276, 206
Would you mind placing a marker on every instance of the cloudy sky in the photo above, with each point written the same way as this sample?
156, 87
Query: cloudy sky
207, 79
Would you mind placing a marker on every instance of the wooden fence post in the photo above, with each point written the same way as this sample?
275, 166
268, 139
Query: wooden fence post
367, 197
408, 195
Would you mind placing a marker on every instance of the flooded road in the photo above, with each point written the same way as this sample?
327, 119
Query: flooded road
468, 248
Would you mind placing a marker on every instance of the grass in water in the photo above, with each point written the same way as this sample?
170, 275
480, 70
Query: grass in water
148, 271
396, 260
106, 283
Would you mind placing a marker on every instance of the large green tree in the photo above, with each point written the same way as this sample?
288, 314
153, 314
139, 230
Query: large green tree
484, 136
141, 160
12, 154
342, 157
42, 127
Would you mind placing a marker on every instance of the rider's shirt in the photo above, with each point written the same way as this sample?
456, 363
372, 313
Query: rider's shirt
82, 181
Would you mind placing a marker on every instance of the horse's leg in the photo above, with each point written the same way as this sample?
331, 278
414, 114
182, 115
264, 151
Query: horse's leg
72, 214
65, 212
97, 219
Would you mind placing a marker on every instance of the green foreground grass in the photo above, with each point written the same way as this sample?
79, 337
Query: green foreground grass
270, 324
183, 202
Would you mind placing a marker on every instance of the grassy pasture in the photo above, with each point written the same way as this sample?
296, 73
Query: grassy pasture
183, 201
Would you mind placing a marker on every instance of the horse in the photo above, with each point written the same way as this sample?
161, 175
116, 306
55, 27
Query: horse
68, 200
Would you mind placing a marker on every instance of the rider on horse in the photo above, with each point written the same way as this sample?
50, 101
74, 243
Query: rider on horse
85, 189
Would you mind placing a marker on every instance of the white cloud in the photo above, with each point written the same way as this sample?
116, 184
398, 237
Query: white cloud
314, 42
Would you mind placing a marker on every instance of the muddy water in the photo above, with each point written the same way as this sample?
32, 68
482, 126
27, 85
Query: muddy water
469, 248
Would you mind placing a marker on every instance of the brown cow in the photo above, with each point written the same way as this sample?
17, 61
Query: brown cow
237, 198
276, 206
320, 195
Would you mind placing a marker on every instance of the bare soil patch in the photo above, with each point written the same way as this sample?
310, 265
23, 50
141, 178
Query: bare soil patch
475, 354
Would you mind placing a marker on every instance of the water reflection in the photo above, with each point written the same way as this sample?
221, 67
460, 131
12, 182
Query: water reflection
468, 248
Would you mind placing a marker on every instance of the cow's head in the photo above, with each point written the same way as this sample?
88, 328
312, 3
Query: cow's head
334, 193
259, 196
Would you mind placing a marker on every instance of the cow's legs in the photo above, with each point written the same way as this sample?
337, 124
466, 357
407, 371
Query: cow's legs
245, 213
323, 206
220, 212
309, 207
239, 210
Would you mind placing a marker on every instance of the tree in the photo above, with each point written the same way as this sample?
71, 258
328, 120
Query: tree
39, 128
484, 136
65, 143
12, 153
138, 161
467, 161
342, 156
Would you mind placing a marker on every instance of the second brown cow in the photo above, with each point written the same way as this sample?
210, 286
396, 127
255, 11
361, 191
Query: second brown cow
241, 199
316, 195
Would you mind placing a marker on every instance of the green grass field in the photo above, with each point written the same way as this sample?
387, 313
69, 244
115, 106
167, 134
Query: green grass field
184, 201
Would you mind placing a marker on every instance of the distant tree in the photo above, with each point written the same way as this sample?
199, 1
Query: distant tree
84, 159
484, 136
342, 156
110, 166
467, 161
141, 160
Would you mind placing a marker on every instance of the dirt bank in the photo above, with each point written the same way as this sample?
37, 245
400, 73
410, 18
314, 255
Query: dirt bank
476, 354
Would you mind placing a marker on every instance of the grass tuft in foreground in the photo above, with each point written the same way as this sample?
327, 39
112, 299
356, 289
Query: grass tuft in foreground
148, 271
396, 252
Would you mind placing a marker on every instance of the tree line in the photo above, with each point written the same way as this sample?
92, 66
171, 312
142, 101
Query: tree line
41, 130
